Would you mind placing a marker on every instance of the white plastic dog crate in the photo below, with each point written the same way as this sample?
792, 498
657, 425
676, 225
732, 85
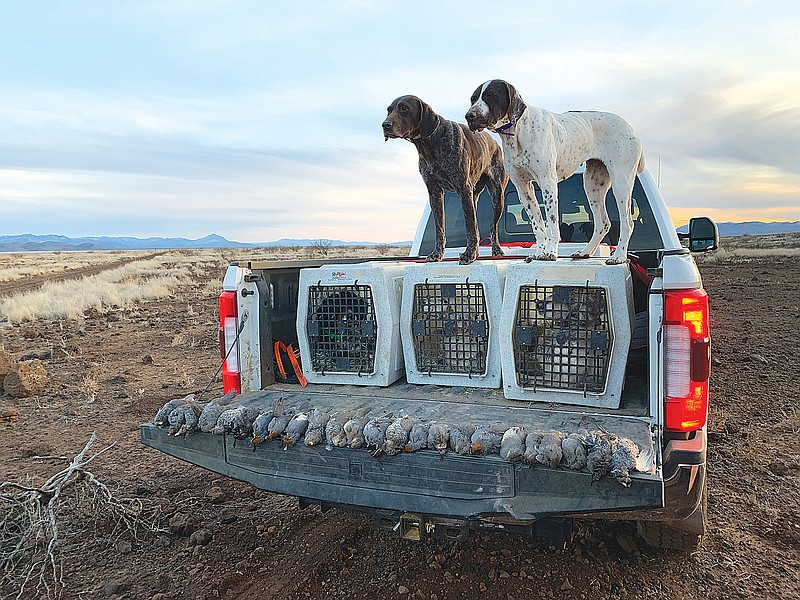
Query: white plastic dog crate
566, 331
348, 323
449, 323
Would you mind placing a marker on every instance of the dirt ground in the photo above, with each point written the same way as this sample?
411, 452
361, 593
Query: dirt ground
111, 372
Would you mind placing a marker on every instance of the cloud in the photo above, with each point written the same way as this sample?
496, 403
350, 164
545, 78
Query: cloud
262, 121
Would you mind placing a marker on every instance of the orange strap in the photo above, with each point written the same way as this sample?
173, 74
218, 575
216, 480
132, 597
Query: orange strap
291, 353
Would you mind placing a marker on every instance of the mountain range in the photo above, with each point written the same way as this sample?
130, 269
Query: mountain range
51, 243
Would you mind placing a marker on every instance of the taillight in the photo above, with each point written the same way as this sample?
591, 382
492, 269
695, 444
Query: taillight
687, 360
228, 320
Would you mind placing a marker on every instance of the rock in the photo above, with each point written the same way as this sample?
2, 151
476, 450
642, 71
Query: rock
226, 517
626, 542
8, 412
566, 586
182, 524
123, 547
26, 380
7, 362
216, 495
777, 467
114, 587
402, 590
201, 537
32, 334
147, 359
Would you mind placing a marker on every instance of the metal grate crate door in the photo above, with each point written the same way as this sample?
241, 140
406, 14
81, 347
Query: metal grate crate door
450, 328
562, 339
342, 330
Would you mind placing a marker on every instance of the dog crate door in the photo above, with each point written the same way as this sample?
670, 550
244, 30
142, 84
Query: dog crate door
569, 328
449, 319
348, 323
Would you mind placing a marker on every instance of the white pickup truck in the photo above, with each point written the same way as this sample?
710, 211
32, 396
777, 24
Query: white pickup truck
608, 354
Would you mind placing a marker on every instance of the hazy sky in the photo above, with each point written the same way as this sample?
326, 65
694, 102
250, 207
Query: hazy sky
261, 120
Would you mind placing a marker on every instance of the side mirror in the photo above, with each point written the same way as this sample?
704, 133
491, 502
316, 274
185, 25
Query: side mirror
703, 235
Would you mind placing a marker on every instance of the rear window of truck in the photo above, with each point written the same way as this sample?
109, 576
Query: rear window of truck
574, 214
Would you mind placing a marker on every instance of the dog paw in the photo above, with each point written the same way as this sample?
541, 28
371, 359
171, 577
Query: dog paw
498, 251
615, 260
541, 256
434, 257
467, 257
579, 255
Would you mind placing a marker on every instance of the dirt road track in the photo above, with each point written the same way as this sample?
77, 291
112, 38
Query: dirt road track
9, 288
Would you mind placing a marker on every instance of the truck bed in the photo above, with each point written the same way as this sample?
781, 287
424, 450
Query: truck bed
464, 487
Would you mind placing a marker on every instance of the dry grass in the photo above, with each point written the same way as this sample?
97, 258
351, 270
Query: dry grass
140, 280
723, 254
116, 288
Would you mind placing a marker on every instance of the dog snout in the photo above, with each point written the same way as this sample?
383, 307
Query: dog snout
473, 120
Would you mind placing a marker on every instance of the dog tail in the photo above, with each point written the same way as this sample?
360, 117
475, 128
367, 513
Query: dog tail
640, 166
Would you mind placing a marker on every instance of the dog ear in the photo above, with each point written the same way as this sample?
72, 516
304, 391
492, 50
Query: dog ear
428, 120
516, 106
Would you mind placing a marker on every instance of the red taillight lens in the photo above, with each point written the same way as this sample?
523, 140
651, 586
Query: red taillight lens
228, 320
687, 360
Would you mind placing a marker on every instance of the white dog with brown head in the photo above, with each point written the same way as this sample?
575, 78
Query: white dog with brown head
546, 147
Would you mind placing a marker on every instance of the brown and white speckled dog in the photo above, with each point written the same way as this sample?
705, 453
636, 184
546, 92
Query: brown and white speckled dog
452, 158
546, 147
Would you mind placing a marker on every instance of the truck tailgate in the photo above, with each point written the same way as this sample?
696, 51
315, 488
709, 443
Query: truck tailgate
424, 482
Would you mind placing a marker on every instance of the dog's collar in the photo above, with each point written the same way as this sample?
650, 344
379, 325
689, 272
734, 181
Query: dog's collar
435, 129
504, 129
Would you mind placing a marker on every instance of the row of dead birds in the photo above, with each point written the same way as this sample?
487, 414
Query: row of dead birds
600, 452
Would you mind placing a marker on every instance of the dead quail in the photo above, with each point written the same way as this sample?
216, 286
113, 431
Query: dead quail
317, 419
532, 441
417, 437
439, 437
549, 452
243, 420
280, 419
225, 421
212, 410
162, 416
375, 433
486, 440
182, 420
574, 451
460, 438
260, 426
598, 461
295, 430
354, 431
397, 434
624, 453
278, 424
512, 444
334, 429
